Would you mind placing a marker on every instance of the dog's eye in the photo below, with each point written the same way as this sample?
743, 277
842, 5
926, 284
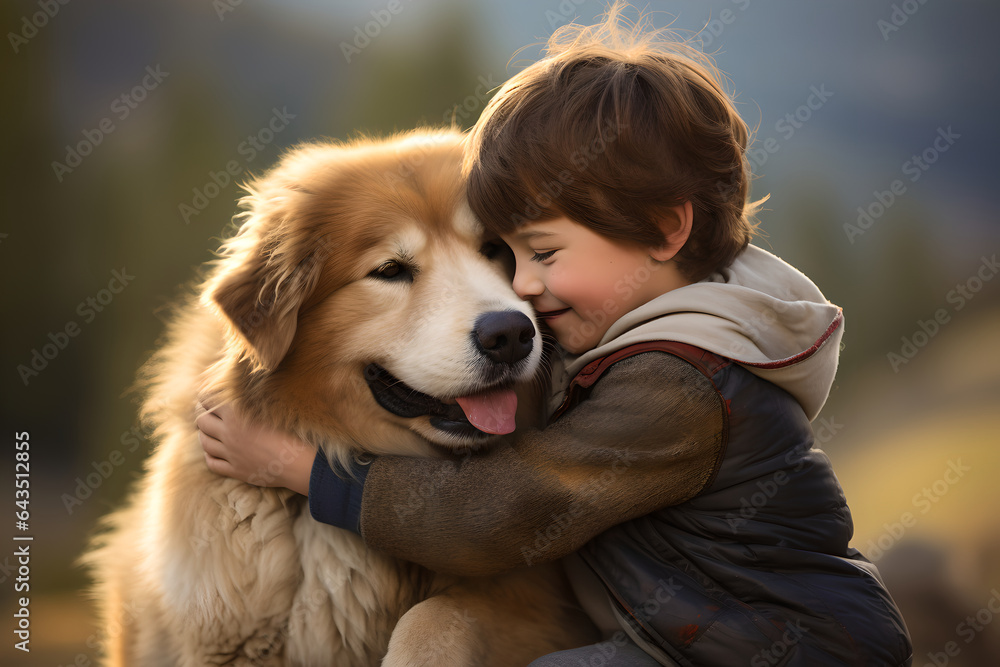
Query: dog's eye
498, 251
490, 249
392, 271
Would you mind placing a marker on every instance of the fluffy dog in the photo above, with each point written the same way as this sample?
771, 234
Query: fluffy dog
357, 307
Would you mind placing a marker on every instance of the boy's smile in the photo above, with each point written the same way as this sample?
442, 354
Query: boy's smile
581, 282
552, 314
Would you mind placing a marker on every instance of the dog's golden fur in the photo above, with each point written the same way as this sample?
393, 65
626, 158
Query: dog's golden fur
199, 569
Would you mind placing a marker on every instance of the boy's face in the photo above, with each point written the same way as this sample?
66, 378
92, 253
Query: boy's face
580, 282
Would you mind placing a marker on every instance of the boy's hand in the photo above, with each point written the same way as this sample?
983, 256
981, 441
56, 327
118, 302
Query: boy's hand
253, 453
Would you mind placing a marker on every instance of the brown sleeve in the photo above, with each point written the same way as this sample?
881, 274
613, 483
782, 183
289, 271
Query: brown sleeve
649, 435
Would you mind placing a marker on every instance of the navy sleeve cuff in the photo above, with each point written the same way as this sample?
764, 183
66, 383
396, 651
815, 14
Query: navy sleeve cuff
335, 494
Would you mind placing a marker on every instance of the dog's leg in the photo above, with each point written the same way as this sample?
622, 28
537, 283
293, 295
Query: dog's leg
504, 621
441, 631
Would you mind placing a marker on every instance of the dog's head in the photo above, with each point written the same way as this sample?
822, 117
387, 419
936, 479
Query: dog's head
363, 303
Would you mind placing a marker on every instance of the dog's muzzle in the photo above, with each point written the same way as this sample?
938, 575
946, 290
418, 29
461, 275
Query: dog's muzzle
505, 339
476, 417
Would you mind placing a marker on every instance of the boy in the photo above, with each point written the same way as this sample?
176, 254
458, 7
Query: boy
677, 474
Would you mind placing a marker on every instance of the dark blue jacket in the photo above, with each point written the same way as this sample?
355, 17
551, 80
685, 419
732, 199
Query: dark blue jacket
756, 567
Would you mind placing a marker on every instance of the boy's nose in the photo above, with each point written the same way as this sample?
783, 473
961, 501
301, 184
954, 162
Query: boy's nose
526, 284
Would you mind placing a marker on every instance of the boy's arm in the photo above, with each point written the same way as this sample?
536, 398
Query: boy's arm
650, 435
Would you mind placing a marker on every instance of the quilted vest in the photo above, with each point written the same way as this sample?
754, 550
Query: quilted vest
756, 569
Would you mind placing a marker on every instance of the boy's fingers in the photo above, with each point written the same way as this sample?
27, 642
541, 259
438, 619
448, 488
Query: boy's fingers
218, 466
224, 412
211, 446
208, 423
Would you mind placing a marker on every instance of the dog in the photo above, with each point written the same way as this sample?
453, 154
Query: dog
358, 307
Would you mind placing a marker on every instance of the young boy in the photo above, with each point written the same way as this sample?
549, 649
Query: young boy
677, 475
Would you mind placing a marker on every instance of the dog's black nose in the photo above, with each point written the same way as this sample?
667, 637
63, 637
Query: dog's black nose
504, 336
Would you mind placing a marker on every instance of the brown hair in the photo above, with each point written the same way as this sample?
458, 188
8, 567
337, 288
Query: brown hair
612, 127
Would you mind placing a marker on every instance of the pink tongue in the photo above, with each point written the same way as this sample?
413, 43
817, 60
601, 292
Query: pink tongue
492, 412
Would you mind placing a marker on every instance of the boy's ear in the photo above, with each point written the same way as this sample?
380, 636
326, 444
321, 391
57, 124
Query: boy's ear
676, 228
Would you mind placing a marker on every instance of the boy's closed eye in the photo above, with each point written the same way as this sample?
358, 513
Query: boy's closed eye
542, 256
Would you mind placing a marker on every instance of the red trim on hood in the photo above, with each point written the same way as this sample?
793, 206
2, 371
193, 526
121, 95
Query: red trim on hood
805, 354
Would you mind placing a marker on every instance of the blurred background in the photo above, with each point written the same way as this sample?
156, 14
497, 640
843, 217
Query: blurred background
124, 124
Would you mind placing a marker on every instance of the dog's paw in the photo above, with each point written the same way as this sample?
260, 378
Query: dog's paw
438, 632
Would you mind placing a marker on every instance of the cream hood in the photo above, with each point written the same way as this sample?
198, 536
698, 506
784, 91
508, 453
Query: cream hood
760, 312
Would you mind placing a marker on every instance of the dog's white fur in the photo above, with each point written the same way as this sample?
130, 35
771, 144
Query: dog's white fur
198, 569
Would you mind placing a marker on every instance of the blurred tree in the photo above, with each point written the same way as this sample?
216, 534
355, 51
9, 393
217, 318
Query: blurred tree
408, 86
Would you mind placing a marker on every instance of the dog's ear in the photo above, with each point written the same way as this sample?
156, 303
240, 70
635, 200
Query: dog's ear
264, 277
